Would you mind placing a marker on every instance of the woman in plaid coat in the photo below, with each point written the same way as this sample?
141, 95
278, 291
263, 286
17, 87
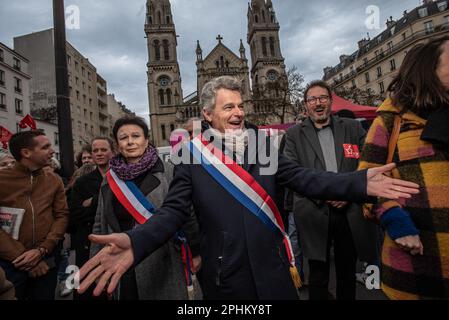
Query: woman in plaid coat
415, 254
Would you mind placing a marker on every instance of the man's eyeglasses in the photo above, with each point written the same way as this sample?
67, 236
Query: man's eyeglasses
312, 100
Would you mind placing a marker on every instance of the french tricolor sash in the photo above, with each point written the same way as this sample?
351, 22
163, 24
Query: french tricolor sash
245, 189
135, 202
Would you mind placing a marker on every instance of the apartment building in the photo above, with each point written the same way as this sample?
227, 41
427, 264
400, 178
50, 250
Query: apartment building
376, 62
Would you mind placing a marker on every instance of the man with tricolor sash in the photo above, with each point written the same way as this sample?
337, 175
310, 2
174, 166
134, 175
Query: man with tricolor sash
246, 253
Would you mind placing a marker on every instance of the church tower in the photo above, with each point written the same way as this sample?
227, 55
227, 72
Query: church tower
164, 78
267, 63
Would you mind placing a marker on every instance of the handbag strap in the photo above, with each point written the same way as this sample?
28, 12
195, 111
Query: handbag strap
394, 138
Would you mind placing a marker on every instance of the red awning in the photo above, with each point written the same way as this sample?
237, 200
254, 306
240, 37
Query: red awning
366, 112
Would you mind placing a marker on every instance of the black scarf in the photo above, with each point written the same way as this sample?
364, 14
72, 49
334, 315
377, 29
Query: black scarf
436, 130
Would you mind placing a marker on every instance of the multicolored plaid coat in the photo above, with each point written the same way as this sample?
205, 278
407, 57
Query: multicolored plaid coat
405, 276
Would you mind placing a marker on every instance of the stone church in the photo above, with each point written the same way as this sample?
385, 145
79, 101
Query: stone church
169, 108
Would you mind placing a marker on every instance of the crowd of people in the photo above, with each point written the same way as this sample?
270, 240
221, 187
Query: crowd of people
218, 225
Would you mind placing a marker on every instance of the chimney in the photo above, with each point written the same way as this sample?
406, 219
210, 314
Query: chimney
343, 57
391, 23
362, 43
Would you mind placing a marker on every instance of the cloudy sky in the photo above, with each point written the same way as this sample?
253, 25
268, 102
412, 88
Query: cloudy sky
313, 34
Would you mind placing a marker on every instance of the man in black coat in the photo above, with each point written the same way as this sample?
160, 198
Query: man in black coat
84, 200
328, 143
242, 258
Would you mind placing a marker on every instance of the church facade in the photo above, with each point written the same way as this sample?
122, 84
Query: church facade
169, 109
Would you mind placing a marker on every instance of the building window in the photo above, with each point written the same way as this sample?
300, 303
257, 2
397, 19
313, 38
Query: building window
56, 135
82, 71
16, 64
88, 76
85, 113
168, 92
159, 20
447, 20
382, 87
157, 50
172, 127
404, 36
79, 126
353, 83
76, 80
90, 102
390, 46
167, 19
2, 78
2, 55
428, 26
161, 97
256, 18
164, 136
91, 113
69, 60
365, 61
2, 101
422, 12
264, 46
392, 64
442, 5
166, 49
84, 99
272, 46
85, 127
77, 95
19, 106
78, 109
76, 65
84, 85
18, 86
367, 77
379, 71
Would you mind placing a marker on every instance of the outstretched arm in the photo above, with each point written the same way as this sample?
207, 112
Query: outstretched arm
352, 186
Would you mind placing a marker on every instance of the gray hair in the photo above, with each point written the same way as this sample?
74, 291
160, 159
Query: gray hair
209, 92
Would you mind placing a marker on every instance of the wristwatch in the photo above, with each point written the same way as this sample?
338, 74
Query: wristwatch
43, 251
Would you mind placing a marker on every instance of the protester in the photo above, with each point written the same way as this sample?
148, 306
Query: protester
84, 156
415, 263
161, 275
329, 143
84, 200
31, 262
245, 253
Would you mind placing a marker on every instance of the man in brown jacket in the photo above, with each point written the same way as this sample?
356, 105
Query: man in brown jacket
30, 262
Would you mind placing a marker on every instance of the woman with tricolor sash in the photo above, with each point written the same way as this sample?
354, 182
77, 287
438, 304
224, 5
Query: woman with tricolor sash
134, 188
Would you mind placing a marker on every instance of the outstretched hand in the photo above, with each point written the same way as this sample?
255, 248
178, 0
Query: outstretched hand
108, 265
380, 185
